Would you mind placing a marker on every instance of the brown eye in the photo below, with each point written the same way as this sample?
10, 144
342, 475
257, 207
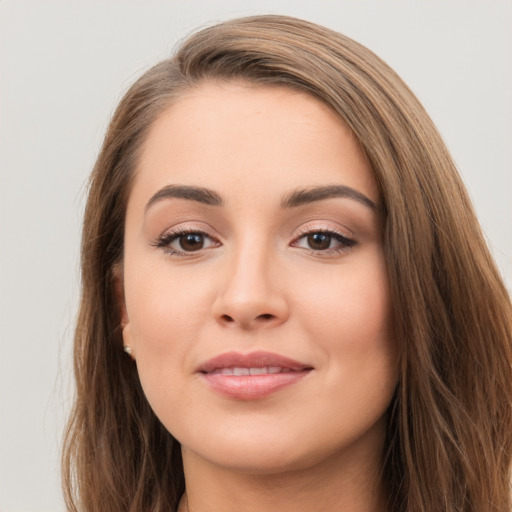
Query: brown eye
319, 241
185, 242
324, 242
191, 242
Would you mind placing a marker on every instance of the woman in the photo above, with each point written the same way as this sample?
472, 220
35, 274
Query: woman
278, 238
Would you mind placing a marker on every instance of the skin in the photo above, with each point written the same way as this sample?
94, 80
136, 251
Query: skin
258, 284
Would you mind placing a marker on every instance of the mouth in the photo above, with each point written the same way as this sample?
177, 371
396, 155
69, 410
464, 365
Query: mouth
238, 371
251, 376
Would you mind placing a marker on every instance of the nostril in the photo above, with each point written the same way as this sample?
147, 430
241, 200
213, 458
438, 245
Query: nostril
227, 318
266, 316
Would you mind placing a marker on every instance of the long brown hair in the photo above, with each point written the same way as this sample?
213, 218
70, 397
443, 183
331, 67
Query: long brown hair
449, 433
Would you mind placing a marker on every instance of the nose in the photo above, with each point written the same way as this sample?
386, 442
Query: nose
250, 295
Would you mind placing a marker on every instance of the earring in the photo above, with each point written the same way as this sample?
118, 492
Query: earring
129, 351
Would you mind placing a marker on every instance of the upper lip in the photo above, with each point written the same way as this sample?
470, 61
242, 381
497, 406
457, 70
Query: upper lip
260, 359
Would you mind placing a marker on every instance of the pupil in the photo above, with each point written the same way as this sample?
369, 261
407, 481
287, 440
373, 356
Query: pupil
191, 242
320, 241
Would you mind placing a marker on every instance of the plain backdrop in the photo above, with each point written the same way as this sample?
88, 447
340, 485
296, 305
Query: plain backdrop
63, 67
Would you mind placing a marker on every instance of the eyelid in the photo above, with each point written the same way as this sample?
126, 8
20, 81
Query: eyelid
346, 240
325, 227
188, 226
169, 235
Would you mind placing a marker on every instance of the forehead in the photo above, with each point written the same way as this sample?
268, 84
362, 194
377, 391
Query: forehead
237, 136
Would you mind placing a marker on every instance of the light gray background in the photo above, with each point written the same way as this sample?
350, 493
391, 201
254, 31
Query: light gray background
64, 66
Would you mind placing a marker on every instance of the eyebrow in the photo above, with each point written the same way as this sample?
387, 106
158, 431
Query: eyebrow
310, 195
199, 194
294, 199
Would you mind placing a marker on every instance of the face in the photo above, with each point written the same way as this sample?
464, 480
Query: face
256, 300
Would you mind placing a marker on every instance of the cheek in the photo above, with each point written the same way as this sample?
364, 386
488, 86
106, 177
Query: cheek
163, 308
351, 325
350, 318
354, 298
160, 330
167, 315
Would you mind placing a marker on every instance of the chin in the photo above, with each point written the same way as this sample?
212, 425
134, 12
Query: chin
267, 452
255, 459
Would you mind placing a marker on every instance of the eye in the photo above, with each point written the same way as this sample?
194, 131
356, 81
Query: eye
324, 241
185, 242
191, 241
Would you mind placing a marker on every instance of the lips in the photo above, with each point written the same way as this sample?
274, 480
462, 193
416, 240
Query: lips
251, 376
238, 371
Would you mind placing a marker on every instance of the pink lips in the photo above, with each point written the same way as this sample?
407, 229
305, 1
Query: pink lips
251, 376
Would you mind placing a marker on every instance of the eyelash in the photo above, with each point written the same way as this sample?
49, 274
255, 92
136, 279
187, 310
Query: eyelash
164, 242
345, 242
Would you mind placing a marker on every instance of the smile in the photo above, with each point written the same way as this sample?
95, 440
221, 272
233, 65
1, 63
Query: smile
251, 376
266, 370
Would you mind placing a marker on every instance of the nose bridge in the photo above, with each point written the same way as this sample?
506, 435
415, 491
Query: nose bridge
250, 294
251, 274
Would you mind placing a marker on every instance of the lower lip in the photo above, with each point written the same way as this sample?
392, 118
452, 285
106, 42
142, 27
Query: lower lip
252, 387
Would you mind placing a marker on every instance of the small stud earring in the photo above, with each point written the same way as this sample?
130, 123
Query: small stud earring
129, 351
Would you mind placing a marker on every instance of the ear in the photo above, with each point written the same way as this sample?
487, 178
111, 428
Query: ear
121, 308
